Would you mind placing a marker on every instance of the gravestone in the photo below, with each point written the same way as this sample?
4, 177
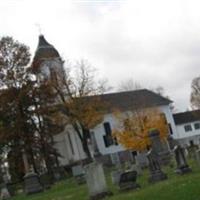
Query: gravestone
162, 149
192, 150
115, 159
172, 143
32, 183
46, 180
115, 176
137, 168
198, 156
59, 173
4, 192
79, 174
142, 160
96, 181
156, 174
128, 181
182, 166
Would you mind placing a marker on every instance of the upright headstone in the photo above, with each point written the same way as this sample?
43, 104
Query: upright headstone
32, 183
137, 168
4, 192
115, 176
156, 174
198, 156
96, 181
182, 166
128, 181
192, 150
79, 173
142, 160
161, 148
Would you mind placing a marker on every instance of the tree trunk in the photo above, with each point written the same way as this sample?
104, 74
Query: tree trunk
33, 160
86, 149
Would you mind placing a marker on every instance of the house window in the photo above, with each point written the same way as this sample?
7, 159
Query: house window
188, 128
107, 128
197, 126
108, 139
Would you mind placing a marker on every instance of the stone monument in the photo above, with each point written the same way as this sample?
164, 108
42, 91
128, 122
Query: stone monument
161, 148
156, 174
4, 192
32, 183
115, 176
127, 181
198, 156
79, 174
96, 181
182, 166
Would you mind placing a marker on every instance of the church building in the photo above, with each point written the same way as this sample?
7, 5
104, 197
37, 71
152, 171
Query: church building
46, 60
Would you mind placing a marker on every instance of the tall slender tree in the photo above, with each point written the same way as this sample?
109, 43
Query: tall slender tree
78, 92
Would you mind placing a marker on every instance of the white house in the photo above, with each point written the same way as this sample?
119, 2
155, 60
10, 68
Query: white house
188, 127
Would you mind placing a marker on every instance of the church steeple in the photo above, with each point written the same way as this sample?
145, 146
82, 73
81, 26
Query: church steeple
44, 52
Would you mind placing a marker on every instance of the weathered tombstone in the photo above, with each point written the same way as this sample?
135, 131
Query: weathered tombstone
156, 174
137, 168
4, 192
115, 176
11, 188
142, 160
192, 150
115, 159
57, 175
8, 184
46, 180
128, 181
162, 149
198, 156
79, 174
172, 143
32, 183
96, 181
182, 166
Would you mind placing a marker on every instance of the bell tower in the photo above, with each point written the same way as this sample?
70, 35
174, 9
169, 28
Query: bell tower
47, 60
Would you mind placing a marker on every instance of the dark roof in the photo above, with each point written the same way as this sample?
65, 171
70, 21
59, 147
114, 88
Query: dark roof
186, 117
44, 51
133, 99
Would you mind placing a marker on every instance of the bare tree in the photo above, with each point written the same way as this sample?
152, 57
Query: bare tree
195, 93
79, 93
128, 85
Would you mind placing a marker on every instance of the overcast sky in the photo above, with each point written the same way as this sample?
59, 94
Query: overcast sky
154, 42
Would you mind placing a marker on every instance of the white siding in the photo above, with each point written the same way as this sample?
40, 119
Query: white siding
183, 134
64, 146
70, 148
169, 117
100, 132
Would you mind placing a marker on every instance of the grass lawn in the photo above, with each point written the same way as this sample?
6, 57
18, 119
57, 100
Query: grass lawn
186, 187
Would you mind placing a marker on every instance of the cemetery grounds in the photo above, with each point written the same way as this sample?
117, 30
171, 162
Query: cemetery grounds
176, 187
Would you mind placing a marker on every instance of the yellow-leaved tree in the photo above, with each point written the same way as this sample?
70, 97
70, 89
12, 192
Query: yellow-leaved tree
134, 126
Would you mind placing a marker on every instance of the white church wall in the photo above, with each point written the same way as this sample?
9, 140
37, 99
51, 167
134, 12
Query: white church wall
170, 120
65, 144
100, 132
69, 146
